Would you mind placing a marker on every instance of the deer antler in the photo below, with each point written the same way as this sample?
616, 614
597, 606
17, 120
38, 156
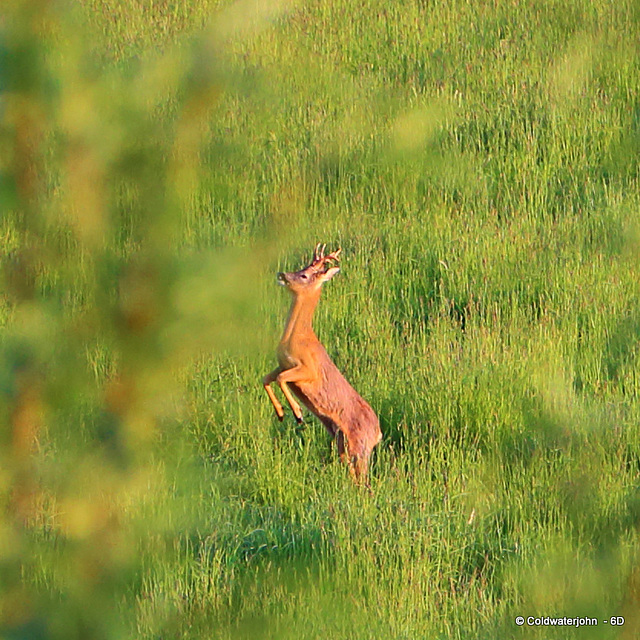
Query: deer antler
318, 252
320, 259
334, 255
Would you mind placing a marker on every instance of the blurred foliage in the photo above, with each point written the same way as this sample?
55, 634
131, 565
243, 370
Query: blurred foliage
101, 307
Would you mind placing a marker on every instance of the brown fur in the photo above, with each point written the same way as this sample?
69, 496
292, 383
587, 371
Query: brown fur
305, 368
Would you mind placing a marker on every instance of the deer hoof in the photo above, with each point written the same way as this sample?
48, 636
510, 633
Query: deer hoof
299, 420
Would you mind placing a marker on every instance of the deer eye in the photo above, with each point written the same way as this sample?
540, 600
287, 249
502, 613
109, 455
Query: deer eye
304, 276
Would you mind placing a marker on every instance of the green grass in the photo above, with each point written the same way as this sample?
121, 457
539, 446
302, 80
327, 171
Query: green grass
478, 163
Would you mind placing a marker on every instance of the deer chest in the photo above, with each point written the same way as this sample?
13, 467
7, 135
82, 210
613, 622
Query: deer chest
286, 358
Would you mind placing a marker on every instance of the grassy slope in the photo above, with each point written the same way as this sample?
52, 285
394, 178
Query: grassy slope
479, 166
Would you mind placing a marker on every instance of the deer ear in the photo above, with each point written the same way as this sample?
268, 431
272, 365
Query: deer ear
329, 273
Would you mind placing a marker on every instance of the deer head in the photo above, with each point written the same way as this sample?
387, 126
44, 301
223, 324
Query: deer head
313, 276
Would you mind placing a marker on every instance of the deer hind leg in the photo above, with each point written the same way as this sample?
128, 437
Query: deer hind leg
359, 463
360, 467
266, 383
341, 442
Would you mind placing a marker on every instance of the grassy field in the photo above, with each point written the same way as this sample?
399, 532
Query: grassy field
479, 164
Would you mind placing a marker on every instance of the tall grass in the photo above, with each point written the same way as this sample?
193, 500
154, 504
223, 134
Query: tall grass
479, 165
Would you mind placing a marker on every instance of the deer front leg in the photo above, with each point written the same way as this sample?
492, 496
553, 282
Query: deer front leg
266, 383
296, 374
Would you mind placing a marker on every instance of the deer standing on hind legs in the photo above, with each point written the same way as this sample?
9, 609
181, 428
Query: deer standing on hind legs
306, 369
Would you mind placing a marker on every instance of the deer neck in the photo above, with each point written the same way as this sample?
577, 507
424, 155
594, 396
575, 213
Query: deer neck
299, 321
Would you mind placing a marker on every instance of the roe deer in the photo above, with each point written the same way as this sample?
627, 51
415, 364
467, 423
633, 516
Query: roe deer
306, 367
